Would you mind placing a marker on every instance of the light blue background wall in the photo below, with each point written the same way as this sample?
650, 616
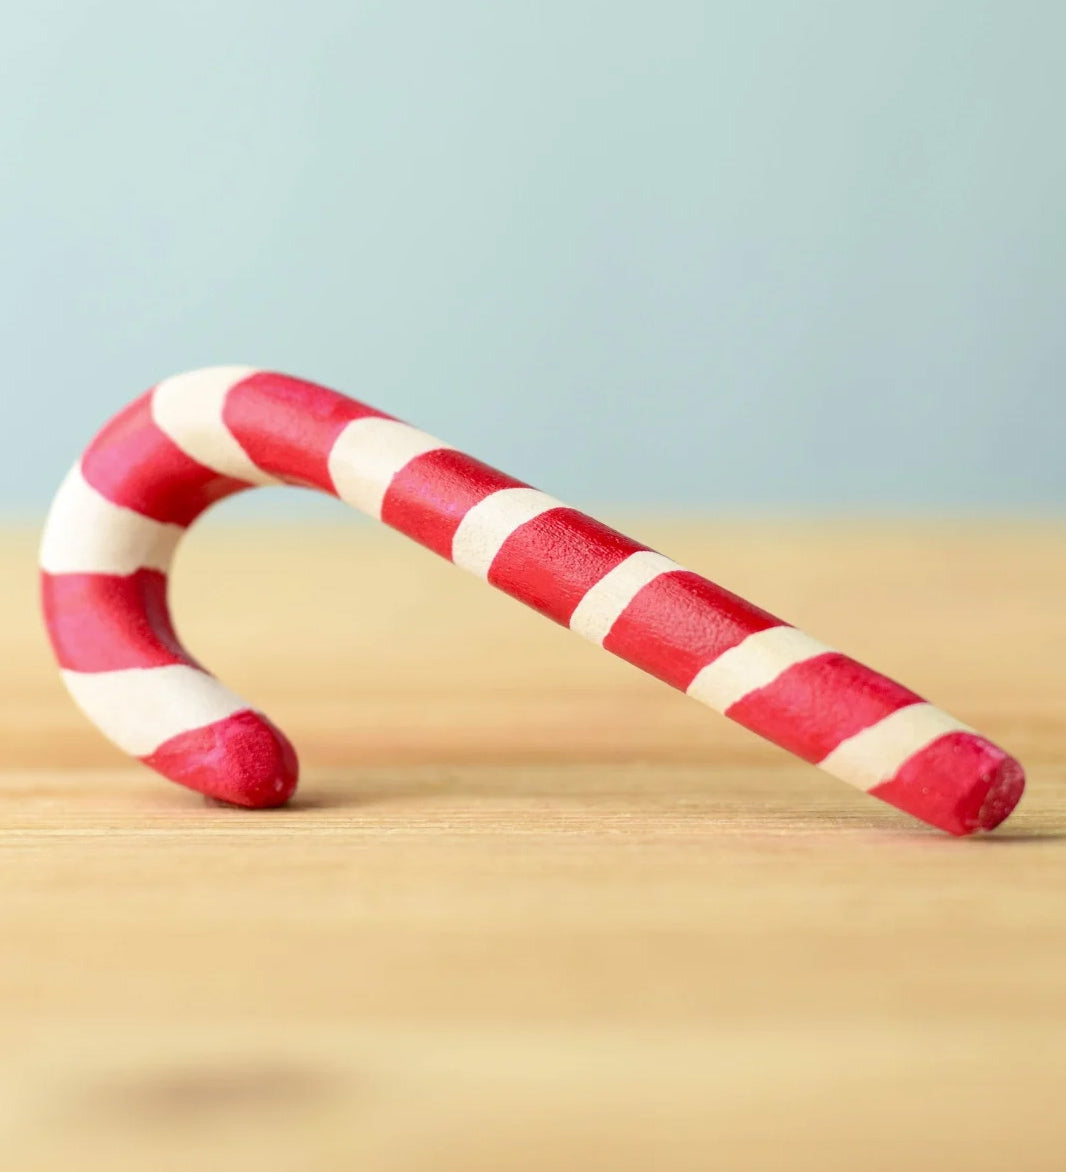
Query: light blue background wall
747, 254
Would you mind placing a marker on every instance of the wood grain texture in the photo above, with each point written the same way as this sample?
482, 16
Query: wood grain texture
532, 909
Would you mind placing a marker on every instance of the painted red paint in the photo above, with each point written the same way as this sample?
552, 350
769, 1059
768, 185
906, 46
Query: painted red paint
815, 705
428, 498
244, 760
134, 464
679, 623
130, 623
288, 427
960, 783
553, 561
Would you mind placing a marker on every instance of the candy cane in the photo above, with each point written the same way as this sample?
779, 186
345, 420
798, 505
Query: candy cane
199, 437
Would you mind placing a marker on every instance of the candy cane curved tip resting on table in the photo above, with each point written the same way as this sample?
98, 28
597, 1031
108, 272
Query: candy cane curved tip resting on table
199, 437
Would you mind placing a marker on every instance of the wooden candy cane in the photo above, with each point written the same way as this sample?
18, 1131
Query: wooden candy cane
199, 437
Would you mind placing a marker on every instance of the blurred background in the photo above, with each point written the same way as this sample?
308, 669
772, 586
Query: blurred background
785, 255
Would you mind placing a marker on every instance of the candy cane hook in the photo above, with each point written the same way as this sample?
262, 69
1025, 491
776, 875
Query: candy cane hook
199, 437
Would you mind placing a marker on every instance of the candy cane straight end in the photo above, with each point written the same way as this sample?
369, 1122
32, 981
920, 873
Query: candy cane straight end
198, 437
961, 783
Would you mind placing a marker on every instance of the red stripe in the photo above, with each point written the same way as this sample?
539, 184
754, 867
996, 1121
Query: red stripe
551, 562
288, 426
960, 782
134, 464
431, 494
243, 759
107, 622
813, 706
679, 623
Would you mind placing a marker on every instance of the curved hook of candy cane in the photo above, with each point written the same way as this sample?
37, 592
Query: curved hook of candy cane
196, 438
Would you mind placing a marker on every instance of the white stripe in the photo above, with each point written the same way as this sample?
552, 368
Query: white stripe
490, 522
752, 664
188, 408
876, 754
367, 455
141, 707
86, 534
597, 612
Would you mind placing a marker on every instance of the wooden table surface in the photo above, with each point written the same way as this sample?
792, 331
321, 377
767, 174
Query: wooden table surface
531, 909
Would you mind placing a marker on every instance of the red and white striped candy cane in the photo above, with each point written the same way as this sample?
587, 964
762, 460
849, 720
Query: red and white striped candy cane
196, 438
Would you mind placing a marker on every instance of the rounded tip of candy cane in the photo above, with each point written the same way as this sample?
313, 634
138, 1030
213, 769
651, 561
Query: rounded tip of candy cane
243, 760
960, 783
